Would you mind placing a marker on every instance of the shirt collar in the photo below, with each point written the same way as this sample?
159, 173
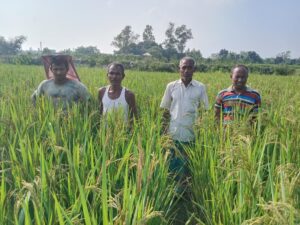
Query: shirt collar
230, 88
193, 83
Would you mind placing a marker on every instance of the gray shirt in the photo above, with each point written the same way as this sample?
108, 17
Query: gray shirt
62, 94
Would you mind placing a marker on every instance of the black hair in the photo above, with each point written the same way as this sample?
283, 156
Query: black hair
240, 66
116, 64
59, 60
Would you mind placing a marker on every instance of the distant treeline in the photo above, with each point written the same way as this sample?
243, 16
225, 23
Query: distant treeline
149, 63
148, 55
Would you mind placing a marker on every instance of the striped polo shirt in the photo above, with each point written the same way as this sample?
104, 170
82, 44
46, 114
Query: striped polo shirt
237, 104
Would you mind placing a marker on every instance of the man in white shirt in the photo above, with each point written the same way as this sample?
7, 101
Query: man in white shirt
181, 102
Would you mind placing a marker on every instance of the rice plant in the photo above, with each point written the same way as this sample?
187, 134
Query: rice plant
78, 169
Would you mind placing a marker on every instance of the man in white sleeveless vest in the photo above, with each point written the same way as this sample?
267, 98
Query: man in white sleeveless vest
115, 98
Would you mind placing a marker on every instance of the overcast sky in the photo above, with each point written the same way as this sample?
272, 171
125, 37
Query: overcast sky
265, 26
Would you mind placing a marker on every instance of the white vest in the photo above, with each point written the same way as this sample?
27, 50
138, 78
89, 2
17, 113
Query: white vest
114, 105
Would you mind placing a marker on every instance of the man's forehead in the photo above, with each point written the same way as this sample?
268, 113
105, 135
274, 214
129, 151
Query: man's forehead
240, 70
58, 65
115, 67
185, 62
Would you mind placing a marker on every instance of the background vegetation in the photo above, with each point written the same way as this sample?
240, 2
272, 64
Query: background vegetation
143, 53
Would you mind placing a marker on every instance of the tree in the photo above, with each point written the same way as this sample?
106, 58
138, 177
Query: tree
89, 50
170, 41
12, 46
183, 34
223, 53
251, 57
283, 57
176, 38
48, 51
195, 54
148, 34
156, 51
124, 39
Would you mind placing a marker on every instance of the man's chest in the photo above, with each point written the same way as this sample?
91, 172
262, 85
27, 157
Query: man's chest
64, 92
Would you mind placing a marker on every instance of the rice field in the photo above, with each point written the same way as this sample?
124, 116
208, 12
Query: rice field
76, 169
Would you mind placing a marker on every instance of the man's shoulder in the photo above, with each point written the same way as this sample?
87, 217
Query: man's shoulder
198, 84
173, 83
46, 83
253, 91
128, 92
224, 91
75, 83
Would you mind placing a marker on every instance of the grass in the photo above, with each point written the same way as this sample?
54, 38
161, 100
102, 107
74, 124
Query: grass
78, 170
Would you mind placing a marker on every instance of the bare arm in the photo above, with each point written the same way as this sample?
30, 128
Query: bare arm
165, 121
130, 99
101, 92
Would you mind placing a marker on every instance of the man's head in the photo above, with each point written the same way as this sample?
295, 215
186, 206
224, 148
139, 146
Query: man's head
59, 67
239, 76
115, 73
187, 69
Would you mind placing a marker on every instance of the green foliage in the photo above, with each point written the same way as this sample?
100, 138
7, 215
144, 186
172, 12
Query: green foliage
284, 70
148, 35
11, 47
87, 51
123, 40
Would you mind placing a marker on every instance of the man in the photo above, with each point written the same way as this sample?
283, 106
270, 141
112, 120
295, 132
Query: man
238, 100
114, 98
181, 102
60, 89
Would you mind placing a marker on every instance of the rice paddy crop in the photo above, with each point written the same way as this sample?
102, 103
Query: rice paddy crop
77, 169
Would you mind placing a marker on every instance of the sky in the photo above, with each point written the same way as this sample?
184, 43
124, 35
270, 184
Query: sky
268, 27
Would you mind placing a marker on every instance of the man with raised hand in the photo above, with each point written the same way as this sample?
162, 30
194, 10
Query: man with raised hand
62, 90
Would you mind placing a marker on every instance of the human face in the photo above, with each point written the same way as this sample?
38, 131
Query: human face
115, 75
59, 72
186, 69
239, 78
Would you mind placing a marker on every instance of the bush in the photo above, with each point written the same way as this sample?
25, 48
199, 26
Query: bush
284, 70
202, 68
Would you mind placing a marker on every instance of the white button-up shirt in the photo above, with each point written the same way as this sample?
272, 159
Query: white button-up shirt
183, 103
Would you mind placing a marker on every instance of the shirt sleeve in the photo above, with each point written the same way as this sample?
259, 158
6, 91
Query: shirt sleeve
257, 105
167, 98
204, 98
84, 94
39, 91
218, 103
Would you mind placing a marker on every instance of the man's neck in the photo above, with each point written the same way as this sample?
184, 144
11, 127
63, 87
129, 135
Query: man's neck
239, 89
60, 82
115, 88
186, 82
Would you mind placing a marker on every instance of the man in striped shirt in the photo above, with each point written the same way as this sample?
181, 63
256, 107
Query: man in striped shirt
238, 100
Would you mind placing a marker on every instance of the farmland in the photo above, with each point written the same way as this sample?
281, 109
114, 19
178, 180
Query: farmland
75, 169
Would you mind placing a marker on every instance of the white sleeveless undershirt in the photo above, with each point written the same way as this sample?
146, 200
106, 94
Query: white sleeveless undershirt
110, 105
